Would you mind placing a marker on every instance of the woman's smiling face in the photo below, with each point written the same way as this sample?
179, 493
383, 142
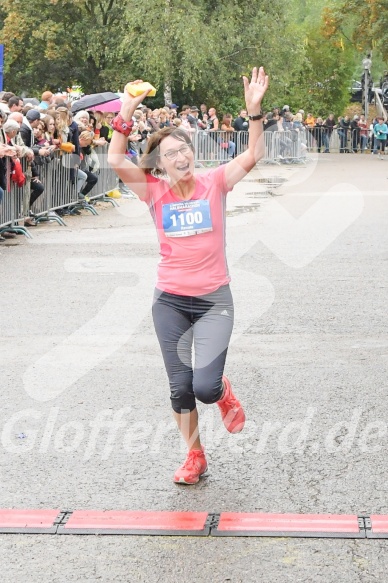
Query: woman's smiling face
176, 157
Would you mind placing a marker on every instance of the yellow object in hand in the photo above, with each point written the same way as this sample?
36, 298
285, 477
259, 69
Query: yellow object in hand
137, 89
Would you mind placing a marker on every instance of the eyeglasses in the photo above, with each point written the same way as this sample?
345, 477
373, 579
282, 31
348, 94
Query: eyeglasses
173, 154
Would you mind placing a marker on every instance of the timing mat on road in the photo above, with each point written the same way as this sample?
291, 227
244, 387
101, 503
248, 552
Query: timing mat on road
232, 524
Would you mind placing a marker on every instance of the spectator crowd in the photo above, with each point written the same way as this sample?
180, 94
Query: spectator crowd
36, 132
355, 135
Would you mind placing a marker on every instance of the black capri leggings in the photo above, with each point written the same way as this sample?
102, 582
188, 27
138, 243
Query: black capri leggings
208, 321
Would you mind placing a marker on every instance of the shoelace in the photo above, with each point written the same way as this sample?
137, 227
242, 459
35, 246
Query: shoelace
192, 457
230, 403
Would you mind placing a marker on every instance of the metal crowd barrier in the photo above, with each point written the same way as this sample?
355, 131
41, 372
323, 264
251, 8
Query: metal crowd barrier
7, 207
285, 147
59, 179
288, 145
341, 140
354, 140
213, 146
60, 188
292, 146
11, 208
107, 177
221, 146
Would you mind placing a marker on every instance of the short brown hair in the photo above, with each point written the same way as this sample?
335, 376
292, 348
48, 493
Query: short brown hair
149, 159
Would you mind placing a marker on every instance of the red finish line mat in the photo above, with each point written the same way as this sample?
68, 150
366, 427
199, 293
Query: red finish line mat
377, 526
193, 523
127, 522
290, 525
28, 521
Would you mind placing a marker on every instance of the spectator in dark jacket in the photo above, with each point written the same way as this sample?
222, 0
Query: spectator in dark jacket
329, 124
6, 150
272, 122
31, 120
356, 132
73, 137
318, 132
90, 179
344, 126
241, 124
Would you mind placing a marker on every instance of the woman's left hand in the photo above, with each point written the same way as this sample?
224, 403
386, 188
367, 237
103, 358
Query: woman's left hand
255, 90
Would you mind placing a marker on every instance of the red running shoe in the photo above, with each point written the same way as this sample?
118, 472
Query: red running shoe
193, 468
232, 413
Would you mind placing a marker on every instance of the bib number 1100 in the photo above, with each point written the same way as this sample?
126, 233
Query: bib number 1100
187, 218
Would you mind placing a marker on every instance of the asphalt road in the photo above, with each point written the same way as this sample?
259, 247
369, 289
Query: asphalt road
85, 417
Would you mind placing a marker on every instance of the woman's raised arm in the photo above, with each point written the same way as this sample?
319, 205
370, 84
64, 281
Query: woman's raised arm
254, 91
128, 172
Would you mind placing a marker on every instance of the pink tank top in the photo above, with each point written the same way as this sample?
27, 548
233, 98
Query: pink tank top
191, 234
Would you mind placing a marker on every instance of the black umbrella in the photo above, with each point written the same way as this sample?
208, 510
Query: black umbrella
93, 100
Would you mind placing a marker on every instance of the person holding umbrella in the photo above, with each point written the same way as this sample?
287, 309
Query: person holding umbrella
192, 302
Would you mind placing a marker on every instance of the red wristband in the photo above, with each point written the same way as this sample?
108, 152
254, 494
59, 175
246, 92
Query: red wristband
120, 125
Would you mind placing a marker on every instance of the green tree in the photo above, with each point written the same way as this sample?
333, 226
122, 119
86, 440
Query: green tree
49, 44
202, 49
197, 51
169, 43
366, 21
323, 83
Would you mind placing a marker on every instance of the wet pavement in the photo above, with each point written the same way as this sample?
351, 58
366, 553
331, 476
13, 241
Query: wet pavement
85, 418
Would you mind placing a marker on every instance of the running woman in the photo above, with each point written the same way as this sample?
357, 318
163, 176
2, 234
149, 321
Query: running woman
192, 301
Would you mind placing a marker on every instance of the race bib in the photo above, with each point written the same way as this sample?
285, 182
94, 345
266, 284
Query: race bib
186, 218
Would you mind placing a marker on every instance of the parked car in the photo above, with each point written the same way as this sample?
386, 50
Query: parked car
356, 91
